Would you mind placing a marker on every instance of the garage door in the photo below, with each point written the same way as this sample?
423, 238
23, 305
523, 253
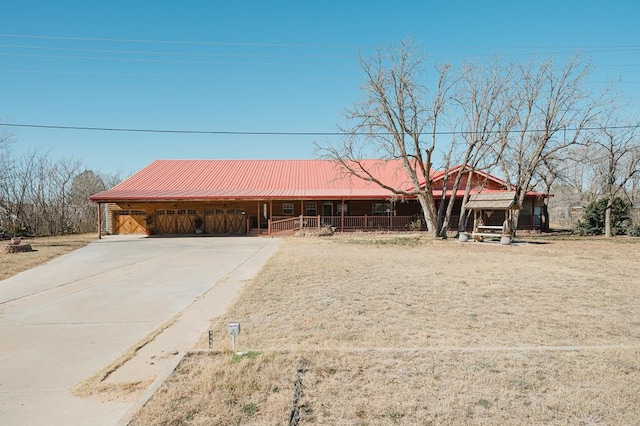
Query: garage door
128, 222
176, 221
225, 221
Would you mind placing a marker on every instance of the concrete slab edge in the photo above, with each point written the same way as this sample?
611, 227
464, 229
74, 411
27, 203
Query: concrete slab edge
262, 255
151, 390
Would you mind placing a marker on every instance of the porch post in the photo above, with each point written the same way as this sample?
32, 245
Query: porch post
99, 221
270, 209
258, 217
342, 217
533, 214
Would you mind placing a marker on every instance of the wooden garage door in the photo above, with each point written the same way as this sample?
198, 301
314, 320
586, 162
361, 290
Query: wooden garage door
225, 221
128, 222
165, 221
176, 221
236, 221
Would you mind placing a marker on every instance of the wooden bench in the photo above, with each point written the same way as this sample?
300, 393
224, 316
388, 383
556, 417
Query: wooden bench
491, 227
489, 231
486, 234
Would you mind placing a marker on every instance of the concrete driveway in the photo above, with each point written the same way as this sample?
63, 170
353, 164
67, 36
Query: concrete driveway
63, 321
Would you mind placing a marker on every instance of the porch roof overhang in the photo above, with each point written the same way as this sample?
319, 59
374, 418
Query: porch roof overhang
493, 201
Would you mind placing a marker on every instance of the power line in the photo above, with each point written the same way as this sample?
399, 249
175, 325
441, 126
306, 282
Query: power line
148, 52
257, 44
164, 61
262, 133
179, 42
187, 132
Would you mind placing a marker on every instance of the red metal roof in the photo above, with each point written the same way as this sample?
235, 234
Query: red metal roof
254, 179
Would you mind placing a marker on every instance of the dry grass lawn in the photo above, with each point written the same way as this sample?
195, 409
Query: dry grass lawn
377, 329
44, 249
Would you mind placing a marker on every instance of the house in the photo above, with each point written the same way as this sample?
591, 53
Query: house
271, 196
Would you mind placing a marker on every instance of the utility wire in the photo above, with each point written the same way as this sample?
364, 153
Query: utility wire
164, 61
181, 42
149, 52
256, 44
260, 133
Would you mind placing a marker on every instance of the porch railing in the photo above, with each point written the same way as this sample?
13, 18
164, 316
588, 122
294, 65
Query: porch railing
279, 224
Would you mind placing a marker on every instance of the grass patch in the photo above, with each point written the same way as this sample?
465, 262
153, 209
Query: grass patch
438, 332
384, 239
211, 388
239, 356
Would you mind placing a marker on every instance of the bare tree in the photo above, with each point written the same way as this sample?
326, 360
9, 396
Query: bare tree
62, 174
391, 121
552, 110
616, 160
44, 196
483, 101
83, 186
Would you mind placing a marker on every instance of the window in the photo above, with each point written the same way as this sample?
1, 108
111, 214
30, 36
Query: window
287, 209
138, 213
159, 212
311, 208
182, 212
208, 212
192, 212
380, 209
339, 209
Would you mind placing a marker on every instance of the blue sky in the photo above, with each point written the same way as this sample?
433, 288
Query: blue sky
256, 66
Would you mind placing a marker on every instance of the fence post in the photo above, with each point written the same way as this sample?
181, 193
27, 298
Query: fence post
366, 222
318, 223
301, 222
269, 227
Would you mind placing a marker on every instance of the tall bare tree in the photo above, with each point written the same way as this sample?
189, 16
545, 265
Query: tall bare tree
483, 104
392, 121
552, 110
616, 159
83, 186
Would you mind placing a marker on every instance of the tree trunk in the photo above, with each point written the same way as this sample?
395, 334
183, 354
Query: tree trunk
545, 215
462, 223
607, 217
443, 220
545, 211
429, 213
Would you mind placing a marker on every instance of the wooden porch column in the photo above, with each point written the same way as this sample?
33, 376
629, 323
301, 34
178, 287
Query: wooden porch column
342, 217
533, 215
301, 207
258, 217
99, 221
270, 215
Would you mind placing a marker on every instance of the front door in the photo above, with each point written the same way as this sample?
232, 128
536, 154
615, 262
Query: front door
327, 209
